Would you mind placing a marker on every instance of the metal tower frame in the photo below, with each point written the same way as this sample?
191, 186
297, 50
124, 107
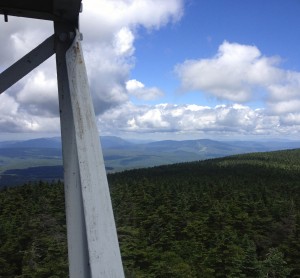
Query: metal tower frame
93, 248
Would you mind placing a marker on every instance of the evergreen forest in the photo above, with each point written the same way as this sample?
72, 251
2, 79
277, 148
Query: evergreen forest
237, 216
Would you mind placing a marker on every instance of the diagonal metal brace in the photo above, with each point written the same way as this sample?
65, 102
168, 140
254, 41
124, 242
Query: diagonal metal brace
27, 63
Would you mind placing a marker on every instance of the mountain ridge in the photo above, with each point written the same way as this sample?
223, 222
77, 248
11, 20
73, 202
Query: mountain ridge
118, 142
121, 154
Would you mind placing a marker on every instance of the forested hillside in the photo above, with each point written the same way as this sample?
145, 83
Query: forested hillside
231, 217
41, 158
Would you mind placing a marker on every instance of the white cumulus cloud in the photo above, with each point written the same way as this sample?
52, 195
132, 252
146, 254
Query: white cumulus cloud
138, 89
124, 42
232, 74
220, 121
241, 73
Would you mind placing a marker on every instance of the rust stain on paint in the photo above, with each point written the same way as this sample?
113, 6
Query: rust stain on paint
77, 53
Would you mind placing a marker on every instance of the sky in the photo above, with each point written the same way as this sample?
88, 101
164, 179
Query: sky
171, 69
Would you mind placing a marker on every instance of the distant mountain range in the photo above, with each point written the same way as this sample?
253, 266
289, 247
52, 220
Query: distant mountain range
16, 157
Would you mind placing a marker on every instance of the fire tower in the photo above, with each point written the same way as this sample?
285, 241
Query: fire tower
93, 248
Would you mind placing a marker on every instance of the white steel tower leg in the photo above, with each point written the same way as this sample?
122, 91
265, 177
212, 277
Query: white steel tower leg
92, 238
76, 233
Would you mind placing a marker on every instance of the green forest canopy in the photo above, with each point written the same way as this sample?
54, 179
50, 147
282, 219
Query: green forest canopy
230, 217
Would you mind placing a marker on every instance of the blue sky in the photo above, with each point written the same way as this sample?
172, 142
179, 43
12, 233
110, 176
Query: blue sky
172, 69
271, 26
